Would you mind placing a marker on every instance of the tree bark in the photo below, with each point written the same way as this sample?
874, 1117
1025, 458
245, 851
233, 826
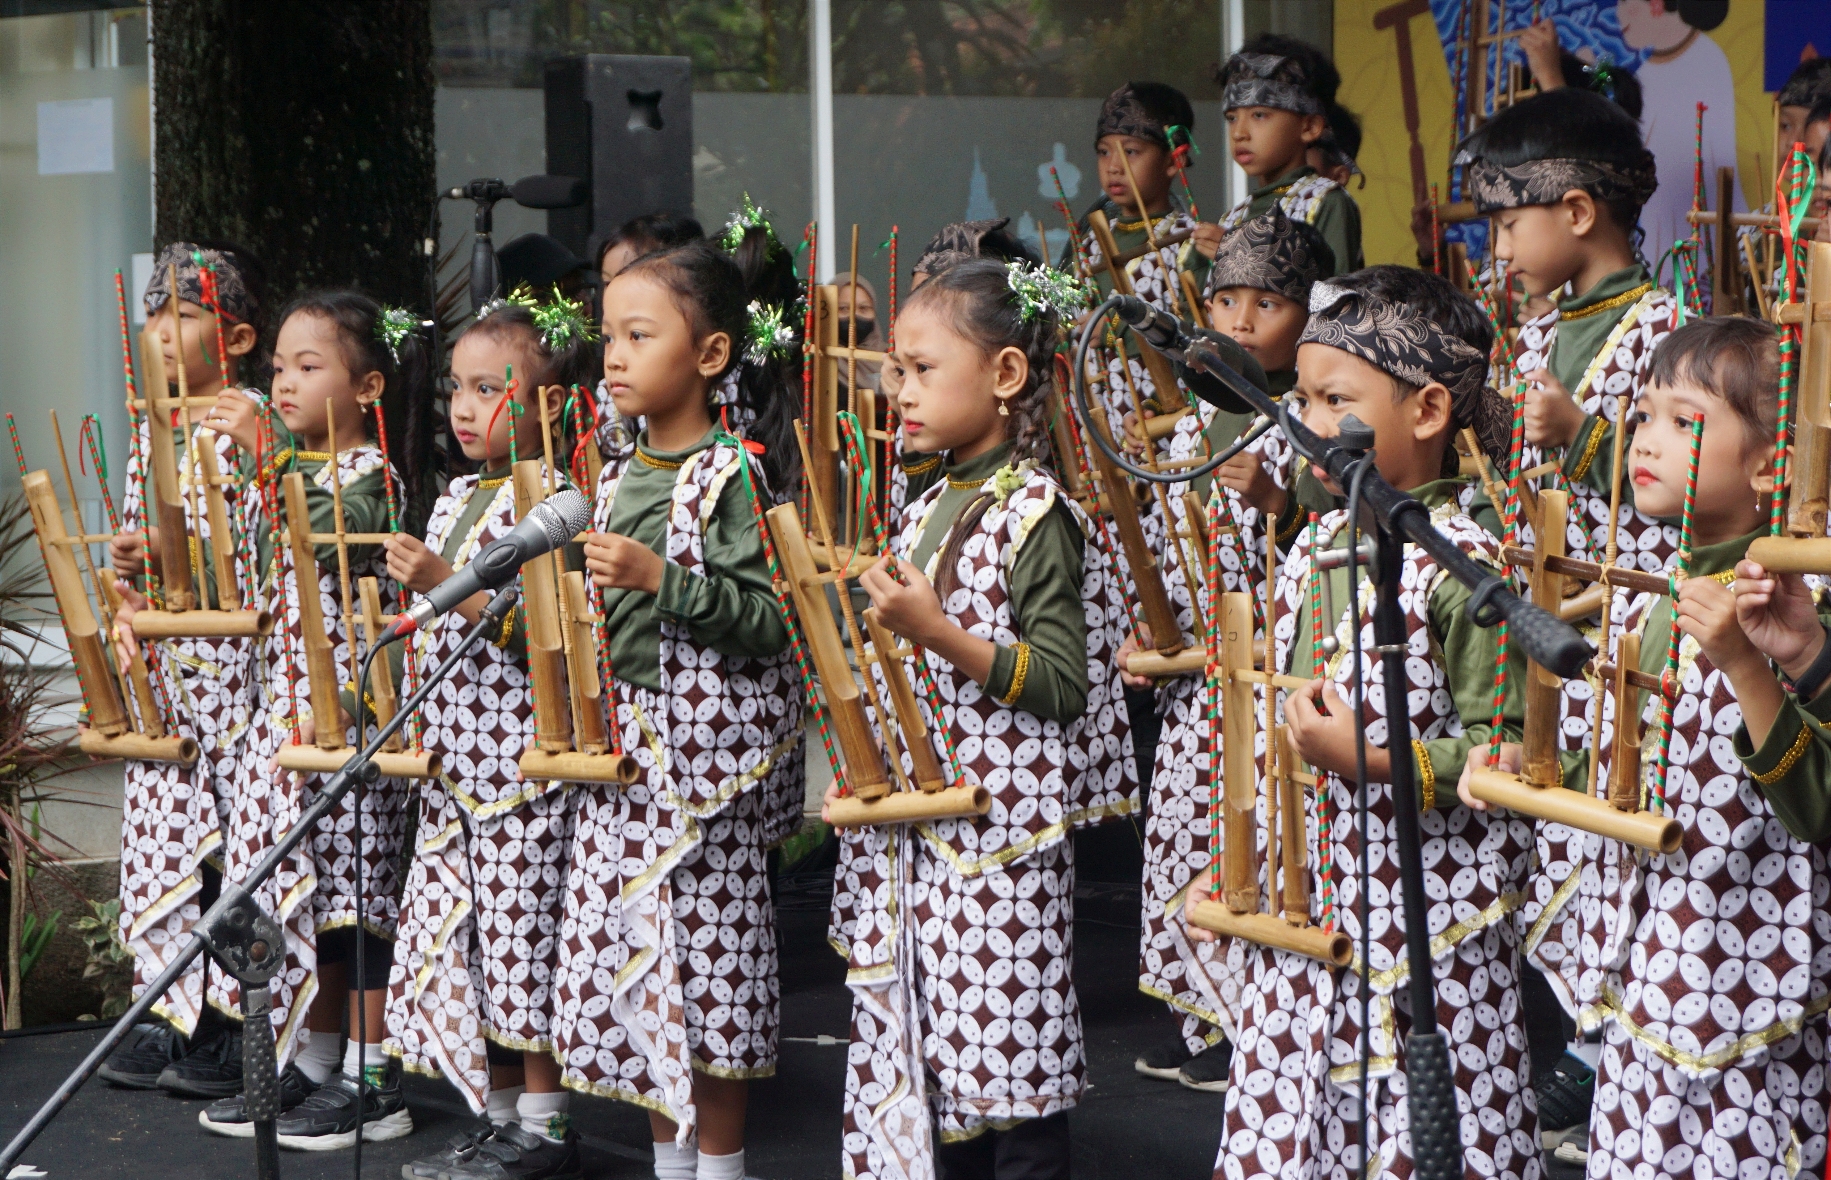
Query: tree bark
302, 131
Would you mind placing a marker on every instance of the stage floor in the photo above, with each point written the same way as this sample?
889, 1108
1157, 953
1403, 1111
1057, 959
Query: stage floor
1128, 1126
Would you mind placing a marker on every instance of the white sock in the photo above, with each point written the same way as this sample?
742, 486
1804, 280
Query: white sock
676, 1163
355, 1057
318, 1060
721, 1167
544, 1114
501, 1106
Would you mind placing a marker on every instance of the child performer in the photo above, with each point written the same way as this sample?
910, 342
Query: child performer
1706, 967
1259, 297
1405, 353
1277, 95
1564, 176
666, 992
470, 994
956, 928
172, 830
331, 352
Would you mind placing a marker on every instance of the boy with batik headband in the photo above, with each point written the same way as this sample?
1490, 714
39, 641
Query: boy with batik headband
1258, 295
171, 850
1277, 95
469, 998
1405, 353
1564, 175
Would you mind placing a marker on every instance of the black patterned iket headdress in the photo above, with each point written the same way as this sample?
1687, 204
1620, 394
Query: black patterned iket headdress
1272, 253
1544, 182
1267, 80
1415, 349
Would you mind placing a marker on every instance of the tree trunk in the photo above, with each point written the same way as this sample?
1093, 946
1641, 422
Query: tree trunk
302, 131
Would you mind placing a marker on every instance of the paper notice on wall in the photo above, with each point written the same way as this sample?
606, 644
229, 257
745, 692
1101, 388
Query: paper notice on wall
75, 136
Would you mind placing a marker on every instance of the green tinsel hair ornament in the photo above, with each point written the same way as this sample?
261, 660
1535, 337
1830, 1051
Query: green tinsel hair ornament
394, 325
1042, 290
747, 217
766, 333
562, 322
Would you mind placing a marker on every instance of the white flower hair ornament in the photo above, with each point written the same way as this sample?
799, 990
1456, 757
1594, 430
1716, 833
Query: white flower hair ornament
1043, 290
766, 335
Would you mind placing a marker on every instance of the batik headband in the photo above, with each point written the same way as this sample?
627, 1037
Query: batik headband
1544, 182
1272, 253
1124, 113
1267, 80
1414, 349
233, 299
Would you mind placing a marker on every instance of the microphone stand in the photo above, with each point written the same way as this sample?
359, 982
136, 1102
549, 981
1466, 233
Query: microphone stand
250, 944
1398, 517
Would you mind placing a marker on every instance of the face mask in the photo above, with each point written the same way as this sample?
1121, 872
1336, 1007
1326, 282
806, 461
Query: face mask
865, 328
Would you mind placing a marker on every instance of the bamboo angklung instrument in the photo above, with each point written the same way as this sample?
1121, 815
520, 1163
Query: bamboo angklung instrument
869, 766
1169, 394
184, 614
1800, 546
825, 449
330, 749
111, 732
572, 740
1232, 906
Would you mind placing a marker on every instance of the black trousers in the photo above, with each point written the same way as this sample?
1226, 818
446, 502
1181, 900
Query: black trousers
1034, 1149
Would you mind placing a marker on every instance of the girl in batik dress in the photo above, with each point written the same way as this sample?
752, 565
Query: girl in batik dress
666, 993
959, 932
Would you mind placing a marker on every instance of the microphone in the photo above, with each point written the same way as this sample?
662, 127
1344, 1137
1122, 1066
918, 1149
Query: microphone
530, 192
1160, 329
1176, 339
548, 525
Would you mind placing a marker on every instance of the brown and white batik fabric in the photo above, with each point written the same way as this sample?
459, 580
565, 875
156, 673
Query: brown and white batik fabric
1301, 202
1708, 965
172, 817
1176, 827
318, 888
668, 948
1293, 1100
479, 927
959, 932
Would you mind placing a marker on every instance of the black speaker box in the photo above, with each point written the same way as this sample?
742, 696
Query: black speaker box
623, 124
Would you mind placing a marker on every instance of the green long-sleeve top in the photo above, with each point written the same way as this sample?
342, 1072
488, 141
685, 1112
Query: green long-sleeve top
1465, 651
1045, 583
1585, 321
1793, 766
1130, 239
1338, 219
727, 605
920, 471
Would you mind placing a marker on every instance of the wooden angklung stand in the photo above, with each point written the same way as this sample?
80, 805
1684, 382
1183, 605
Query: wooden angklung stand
572, 739
859, 714
329, 750
113, 730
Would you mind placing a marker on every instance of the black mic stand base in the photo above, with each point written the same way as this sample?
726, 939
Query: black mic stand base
251, 946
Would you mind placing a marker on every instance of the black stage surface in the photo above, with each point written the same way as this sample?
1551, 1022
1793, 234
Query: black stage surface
1128, 1126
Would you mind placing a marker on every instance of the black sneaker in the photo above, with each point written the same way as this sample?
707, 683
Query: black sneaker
138, 1064
1565, 1094
328, 1120
459, 1149
229, 1116
212, 1069
1164, 1062
514, 1153
1207, 1070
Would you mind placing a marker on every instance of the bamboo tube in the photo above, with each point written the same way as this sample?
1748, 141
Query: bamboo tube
901, 807
1169, 394
1643, 829
320, 654
589, 732
166, 509
1240, 775
540, 606
1792, 555
866, 772
1539, 764
1624, 765
1634, 677
197, 624
1815, 339
1197, 312
823, 477
189, 502
574, 767
1582, 604
1807, 226
418, 764
95, 671
222, 541
381, 686
1153, 599
1296, 836
1158, 425
1333, 947
928, 775
1589, 571
139, 746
